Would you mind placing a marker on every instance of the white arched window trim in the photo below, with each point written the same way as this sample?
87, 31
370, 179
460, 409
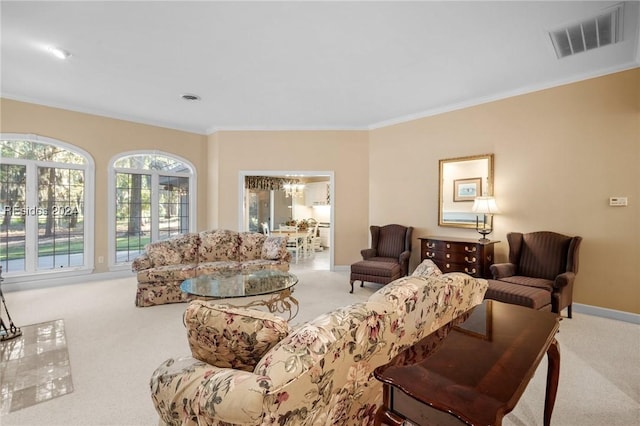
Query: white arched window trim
89, 206
111, 208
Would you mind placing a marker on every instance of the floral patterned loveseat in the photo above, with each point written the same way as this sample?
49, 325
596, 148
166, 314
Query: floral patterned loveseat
166, 264
250, 368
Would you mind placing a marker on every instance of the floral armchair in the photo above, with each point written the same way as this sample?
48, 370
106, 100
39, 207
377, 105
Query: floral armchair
250, 368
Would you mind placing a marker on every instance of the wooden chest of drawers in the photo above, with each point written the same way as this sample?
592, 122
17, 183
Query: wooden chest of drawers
459, 255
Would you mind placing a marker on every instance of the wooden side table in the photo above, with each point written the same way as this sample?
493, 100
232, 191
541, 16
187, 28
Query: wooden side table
476, 374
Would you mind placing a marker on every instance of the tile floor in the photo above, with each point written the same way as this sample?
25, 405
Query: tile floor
34, 367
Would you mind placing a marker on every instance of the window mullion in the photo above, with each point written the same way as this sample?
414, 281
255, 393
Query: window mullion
31, 220
155, 206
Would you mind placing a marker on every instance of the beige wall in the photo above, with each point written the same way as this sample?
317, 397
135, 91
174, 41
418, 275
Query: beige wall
559, 155
343, 152
104, 138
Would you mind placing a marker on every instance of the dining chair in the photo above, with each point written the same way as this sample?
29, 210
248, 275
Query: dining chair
294, 243
313, 240
265, 228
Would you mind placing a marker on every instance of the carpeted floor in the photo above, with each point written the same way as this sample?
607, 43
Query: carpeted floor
114, 347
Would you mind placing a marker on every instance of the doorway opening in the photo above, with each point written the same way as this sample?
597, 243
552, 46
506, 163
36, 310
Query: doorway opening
265, 198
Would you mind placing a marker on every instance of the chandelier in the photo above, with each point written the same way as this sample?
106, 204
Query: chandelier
293, 188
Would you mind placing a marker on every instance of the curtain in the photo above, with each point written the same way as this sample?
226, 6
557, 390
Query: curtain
264, 182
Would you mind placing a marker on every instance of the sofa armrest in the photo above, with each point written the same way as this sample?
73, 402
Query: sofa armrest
404, 261
502, 270
564, 280
141, 263
368, 253
231, 337
184, 388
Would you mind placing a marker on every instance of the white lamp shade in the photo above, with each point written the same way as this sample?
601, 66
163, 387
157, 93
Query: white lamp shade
485, 205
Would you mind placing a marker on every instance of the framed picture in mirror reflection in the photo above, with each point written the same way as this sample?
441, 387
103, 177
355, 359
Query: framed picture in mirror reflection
467, 189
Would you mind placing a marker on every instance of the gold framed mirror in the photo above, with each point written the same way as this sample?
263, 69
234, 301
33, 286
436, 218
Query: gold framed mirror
461, 180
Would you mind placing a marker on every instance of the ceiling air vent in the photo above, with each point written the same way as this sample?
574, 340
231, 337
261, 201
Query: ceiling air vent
591, 33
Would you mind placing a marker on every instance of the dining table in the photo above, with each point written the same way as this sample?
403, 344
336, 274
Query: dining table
299, 237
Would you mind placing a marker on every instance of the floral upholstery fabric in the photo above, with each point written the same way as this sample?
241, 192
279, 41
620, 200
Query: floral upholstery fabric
250, 247
427, 269
189, 245
213, 267
322, 372
163, 253
275, 248
141, 262
165, 264
178, 272
218, 245
254, 265
225, 336
150, 294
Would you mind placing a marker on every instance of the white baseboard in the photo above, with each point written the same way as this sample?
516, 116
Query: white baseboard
67, 280
607, 313
79, 279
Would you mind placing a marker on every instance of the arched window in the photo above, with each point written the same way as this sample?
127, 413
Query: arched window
46, 202
154, 199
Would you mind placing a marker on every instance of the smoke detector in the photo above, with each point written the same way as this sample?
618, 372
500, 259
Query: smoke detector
588, 34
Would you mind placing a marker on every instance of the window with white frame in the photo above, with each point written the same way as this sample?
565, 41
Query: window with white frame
46, 203
153, 200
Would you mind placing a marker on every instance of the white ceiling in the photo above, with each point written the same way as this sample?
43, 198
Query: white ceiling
292, 65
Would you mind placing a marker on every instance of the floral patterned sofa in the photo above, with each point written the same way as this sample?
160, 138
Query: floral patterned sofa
166, 264
250, 368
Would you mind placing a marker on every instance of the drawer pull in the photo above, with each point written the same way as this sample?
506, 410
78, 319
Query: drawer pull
447, 266
431, 245
448, 255
448, 245
430, 255
472, 260
470, 272
470, 250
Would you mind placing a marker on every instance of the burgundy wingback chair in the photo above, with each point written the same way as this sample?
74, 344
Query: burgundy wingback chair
538, 260
388, 257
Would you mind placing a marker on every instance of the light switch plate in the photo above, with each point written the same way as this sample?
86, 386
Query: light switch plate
618, 201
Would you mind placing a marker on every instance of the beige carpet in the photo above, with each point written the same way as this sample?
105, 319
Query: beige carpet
114, 347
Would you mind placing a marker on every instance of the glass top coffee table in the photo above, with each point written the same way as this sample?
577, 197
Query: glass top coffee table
234, 285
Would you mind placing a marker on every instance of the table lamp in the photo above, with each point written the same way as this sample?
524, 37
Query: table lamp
487, 207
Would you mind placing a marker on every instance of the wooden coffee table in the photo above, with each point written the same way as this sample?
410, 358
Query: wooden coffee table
476, 374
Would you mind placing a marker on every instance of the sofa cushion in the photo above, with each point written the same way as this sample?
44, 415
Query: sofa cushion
161, 274
188, 245
258, 264
532, 297
230, 337
274, 248
427, 269
162, 253
230, 266
250, 245
218, 245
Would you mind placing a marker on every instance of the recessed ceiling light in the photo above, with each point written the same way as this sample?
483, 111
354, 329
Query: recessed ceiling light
190, 97
59, 52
